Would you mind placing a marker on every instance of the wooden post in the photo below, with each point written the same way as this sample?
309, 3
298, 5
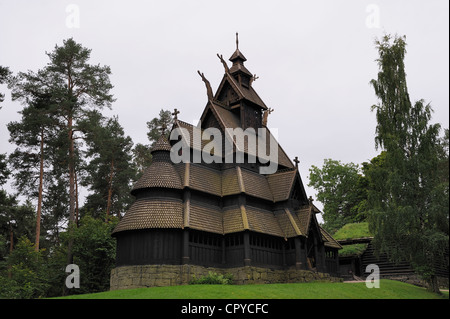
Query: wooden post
322, 257
336, 257
224, 254
185, 257
316, 255
247, 251
299, 263
185, 250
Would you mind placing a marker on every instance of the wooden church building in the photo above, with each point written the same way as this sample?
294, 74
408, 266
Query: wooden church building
219, 214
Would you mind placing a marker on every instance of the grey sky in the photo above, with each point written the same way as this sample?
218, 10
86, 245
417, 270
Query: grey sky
314, 60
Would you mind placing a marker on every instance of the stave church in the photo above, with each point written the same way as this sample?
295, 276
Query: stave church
192, 217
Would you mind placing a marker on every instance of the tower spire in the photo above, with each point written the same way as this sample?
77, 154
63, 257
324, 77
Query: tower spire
237, 41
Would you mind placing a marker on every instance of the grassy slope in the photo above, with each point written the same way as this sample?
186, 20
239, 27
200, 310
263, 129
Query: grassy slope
316, 290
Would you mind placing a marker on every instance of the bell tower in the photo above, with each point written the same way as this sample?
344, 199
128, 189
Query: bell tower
236, 93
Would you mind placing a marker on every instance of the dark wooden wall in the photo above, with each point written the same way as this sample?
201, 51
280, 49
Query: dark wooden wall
172, 246
156, 246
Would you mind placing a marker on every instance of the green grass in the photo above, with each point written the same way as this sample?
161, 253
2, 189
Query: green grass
349, 231
353, 230
389, 289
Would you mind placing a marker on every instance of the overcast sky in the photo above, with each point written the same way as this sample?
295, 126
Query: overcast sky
314, 60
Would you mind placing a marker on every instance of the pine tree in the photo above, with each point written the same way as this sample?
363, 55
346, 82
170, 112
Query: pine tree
33, 136
5, 73
409, 215
110, 171
76, 87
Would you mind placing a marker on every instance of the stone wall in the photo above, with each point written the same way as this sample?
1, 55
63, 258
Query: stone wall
130, 277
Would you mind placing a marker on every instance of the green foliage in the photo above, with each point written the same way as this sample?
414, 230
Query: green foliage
408, 194
16, 219
62, 128
4, 171
154, 126
142, 157
5, 73
110, 171
94, 251
212, 278
24, 274
342, 190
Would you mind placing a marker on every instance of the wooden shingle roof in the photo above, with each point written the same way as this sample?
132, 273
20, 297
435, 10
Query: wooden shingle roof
230, 182
281, 184
159, 174
232, 220
227, 119
256, 185
329, 241
242, 91
263, 221
304, 219
205, 179
152, 213
205, 217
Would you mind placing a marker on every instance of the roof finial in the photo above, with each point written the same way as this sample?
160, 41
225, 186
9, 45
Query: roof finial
175, 114
237, 41
209, 91
227, 69
296, 160
266, 115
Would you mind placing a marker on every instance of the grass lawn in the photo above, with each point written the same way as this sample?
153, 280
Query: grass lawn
389, 289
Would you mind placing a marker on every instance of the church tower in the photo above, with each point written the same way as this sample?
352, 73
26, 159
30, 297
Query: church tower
237, 94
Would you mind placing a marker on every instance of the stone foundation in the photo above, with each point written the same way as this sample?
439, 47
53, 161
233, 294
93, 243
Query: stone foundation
130, 277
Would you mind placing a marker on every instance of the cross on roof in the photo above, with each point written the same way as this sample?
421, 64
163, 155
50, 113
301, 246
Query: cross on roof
296, 160
175, 114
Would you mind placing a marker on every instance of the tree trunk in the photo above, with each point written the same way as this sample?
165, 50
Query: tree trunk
71, 190
11, 246
434, 286
41, 179
11, 238
76, 196
108, 206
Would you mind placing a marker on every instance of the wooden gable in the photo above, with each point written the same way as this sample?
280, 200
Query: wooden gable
298, 190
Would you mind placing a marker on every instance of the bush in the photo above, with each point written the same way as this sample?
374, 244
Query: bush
213, 279
24, 274
94, 252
